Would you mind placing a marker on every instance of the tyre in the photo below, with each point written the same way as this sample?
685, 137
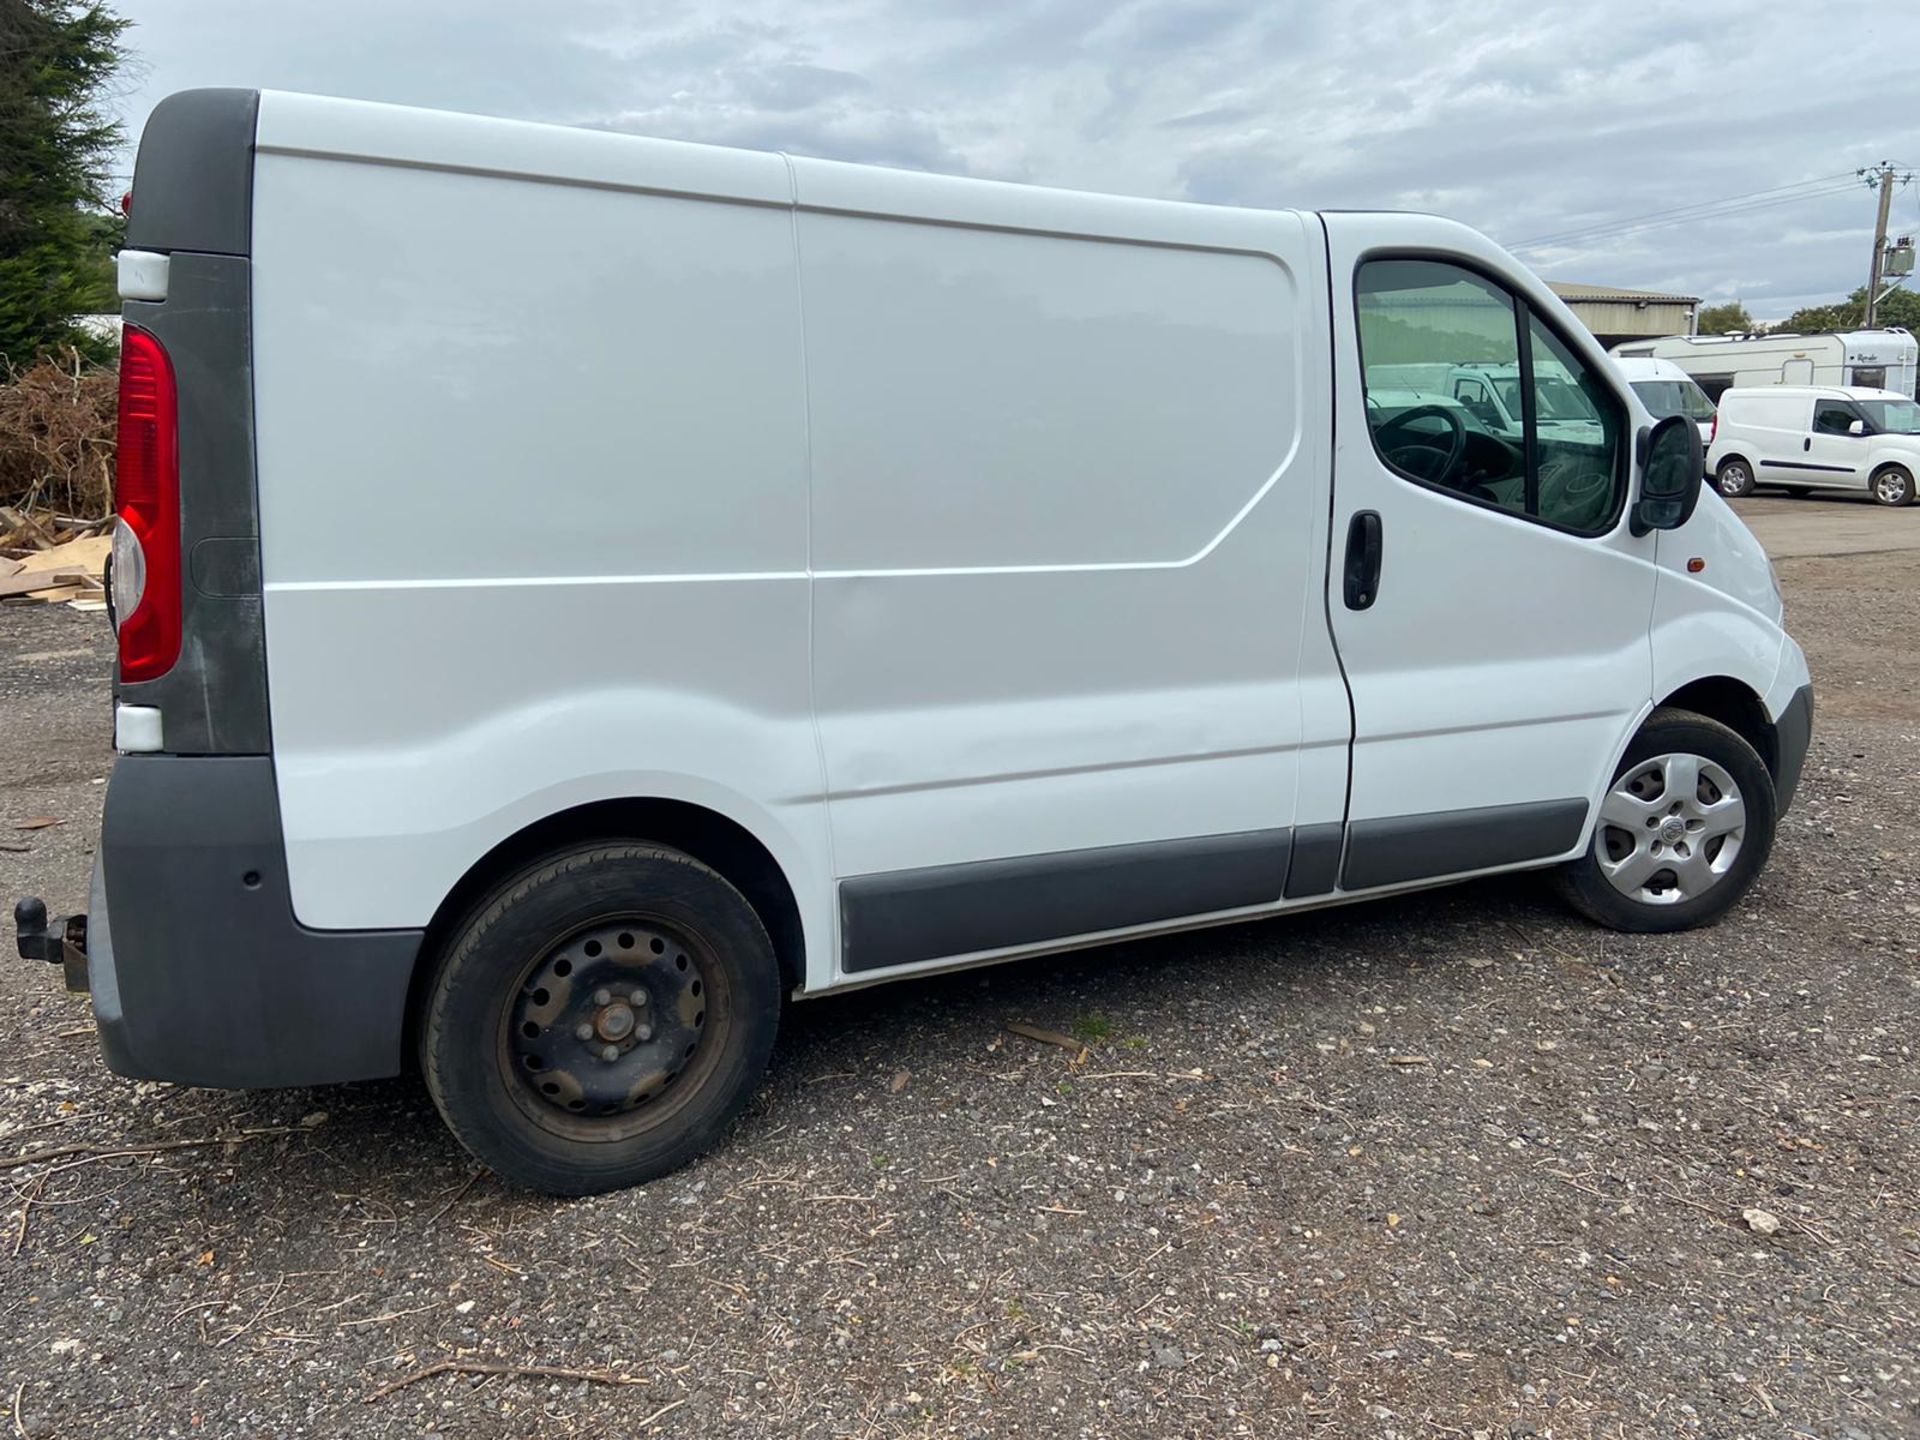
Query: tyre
1734, 478
1893, 485
600, 1018
1683, 831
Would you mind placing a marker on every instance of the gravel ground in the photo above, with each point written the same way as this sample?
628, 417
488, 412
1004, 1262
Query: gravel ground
1452, 1165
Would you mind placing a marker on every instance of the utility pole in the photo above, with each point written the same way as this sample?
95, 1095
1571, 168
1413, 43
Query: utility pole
1881, 174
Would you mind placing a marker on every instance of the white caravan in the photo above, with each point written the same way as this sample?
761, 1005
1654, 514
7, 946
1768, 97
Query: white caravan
1665, 389
1809, 438
575, 591
1875, 359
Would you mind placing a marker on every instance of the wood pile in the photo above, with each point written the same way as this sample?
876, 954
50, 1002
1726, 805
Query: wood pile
50, 561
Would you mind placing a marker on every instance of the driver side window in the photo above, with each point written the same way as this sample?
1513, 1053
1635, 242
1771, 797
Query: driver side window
1467, 392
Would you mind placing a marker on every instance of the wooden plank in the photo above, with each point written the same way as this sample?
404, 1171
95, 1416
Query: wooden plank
87, 556
7, 567
30, 580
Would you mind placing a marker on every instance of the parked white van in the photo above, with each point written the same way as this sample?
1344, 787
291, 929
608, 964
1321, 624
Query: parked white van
576, 591
1665, 389
1815, 438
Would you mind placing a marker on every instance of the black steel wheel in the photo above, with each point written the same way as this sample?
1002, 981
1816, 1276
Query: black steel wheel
600, 1018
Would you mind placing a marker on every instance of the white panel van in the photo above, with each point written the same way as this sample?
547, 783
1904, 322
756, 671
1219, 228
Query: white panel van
1665, 389
575, 592
1817, 438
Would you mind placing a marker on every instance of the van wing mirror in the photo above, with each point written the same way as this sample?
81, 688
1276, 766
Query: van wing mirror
1856, 427
1672, 470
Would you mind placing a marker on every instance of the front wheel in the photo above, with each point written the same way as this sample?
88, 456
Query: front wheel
1683, 832
600, 1018
1893, 486
1734, 478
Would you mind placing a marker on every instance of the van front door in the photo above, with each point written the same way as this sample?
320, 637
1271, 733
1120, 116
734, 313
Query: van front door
1490, 607
1831, 453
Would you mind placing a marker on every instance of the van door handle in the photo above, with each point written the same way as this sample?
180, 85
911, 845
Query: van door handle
1807, 444
1363, 560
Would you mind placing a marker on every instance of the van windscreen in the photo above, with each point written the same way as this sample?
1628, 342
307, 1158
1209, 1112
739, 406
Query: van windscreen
1892, 417
1674, 397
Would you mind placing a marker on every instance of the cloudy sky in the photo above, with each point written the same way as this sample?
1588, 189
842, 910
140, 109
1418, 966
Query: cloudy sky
1530, 119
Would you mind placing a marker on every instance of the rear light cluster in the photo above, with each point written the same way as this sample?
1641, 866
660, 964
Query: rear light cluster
1714, 433
146, 539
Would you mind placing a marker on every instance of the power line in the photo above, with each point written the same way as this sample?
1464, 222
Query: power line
1723, 212
1797, 185
1704, 205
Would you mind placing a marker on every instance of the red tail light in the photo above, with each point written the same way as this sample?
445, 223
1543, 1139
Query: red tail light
146, 566
1714, 434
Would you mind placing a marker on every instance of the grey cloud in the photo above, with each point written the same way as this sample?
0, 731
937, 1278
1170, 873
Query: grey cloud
1520, 118
798, 87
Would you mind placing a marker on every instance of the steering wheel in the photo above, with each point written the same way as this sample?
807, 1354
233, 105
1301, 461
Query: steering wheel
1450, 457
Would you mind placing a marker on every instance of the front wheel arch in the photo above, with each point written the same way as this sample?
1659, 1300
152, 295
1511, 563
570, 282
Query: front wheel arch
1891, 468
1734, 705
1667, 734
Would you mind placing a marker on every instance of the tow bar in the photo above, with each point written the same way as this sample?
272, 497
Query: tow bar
61, 940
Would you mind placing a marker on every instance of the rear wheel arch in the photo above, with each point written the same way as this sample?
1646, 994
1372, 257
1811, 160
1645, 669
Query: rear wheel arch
715, 840
1736, 458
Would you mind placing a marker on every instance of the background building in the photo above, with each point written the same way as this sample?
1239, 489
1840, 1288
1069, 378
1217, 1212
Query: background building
1614, 314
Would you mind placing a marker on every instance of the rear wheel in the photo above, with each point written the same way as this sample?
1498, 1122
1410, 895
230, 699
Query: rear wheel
1734, 478
1893, 486
1683, 832
601, 1018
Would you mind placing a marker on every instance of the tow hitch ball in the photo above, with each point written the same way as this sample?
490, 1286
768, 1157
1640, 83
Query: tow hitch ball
59, 941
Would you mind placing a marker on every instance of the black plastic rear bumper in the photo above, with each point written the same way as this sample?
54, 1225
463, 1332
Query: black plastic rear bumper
200, 972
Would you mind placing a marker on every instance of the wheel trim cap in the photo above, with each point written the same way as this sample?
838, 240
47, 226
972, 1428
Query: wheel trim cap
1670, 829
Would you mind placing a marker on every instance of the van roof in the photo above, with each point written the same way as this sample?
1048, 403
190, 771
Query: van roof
1822, 392
1649, 367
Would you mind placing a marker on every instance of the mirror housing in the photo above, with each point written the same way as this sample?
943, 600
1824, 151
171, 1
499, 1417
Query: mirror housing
1673, 468
1856, 427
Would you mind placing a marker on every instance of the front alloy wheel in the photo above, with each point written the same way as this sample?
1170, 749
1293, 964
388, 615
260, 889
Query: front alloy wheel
1893, 486
1682, 833
1670, 829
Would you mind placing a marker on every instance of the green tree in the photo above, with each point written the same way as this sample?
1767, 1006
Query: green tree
1902, 307
56, 140
1729, 315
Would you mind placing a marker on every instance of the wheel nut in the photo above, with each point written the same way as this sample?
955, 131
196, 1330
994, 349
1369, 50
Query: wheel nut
639, 996
644, 1032
610, 1052
603, 997
583, 1031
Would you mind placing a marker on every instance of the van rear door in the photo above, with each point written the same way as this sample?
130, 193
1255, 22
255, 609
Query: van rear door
1500, 654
